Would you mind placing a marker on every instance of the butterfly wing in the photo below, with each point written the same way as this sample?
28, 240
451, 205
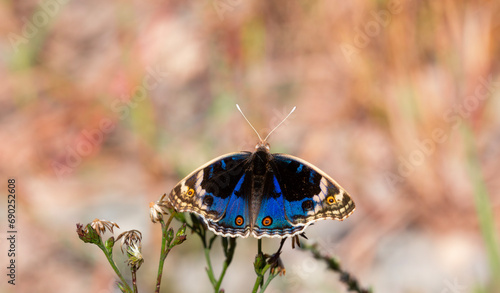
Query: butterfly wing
271, 221
295, 194
235, 220
308, 193
213, 192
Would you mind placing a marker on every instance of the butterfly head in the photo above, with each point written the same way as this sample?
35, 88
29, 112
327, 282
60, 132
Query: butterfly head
262, 145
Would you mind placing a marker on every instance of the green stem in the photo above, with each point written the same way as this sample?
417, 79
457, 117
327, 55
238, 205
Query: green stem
260, 275
483, 205
269, 279
219, 282
210, 271
259, 279
164, 251
272, 262
229, 247
109, 257
216, 283
257, 283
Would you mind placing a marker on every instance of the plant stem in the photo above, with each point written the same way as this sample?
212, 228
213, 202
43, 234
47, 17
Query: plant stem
261, 272
257, 283
134, 279
219, 282
269, 279
229, 252
259, 279
164, 251
483, 206
109, 257
333, 264
209, 270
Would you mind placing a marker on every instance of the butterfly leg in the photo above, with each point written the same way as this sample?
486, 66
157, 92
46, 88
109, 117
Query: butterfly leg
296, 240
275, 260
281, 246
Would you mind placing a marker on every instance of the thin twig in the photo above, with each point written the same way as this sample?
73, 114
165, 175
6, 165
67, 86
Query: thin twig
109, 257
134, 279
164, 250
333, 264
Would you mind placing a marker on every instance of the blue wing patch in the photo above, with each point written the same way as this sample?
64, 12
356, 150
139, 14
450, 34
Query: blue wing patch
271, 219
207, 191
309, 194
235, 220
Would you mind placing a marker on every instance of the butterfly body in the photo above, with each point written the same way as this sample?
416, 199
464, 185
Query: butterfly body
260, 194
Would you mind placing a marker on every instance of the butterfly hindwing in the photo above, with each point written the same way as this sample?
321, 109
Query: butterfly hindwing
271, 220
309, 194
211, 188
235, 220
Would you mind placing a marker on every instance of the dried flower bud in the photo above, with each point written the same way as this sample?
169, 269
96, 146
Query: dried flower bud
130, 238
135, 258
155, 212
277, 267
88, 234
100, 226
158, 209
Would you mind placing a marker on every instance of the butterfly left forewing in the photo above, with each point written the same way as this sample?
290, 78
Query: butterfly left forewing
207, 190
309, 194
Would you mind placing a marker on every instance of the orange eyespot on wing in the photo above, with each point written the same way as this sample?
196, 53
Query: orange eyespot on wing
330, 200
239, 220
267, 221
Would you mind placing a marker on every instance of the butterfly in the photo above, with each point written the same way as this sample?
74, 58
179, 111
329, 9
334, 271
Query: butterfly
260, 194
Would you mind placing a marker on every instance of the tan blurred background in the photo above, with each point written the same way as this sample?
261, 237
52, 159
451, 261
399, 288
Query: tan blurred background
106, 105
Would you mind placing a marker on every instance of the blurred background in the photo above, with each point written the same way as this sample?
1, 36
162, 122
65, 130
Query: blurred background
106, 105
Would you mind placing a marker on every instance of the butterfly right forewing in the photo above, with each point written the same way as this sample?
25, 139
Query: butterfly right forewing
310, 194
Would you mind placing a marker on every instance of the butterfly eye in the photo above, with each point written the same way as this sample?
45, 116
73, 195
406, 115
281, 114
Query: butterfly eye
239, 220
267, 221
330, 200
190, 192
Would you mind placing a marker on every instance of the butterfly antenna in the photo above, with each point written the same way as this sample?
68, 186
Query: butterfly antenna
280, 123
237, 106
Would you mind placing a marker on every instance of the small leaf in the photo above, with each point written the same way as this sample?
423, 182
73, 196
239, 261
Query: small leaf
169, 236
109, 244
122, 287
180, 236
181, 231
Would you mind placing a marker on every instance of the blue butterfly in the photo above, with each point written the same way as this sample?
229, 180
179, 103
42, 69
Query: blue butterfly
260, 194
